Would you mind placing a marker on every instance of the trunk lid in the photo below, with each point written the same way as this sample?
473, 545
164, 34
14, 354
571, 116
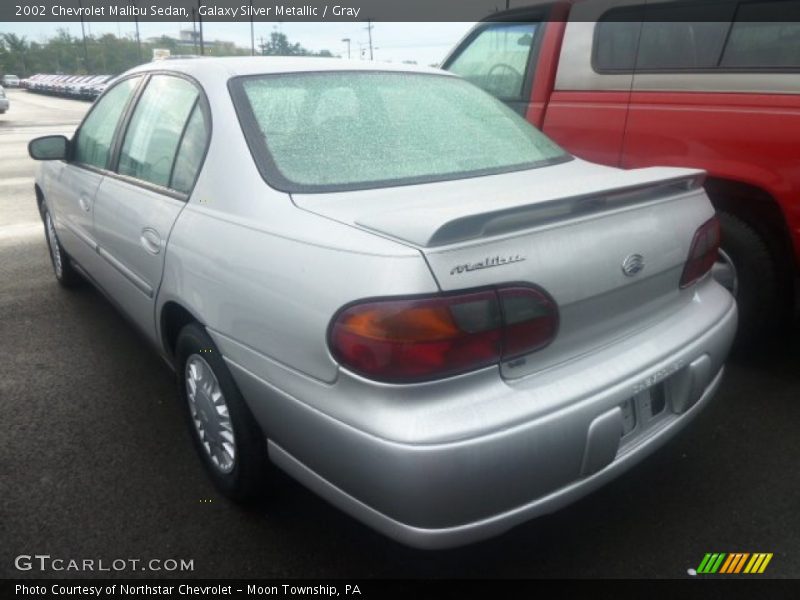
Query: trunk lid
573, 229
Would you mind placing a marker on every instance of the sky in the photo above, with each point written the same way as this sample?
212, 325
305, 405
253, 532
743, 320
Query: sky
425, 43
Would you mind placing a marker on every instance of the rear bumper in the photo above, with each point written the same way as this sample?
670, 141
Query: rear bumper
456, 491
466, 533
4, 104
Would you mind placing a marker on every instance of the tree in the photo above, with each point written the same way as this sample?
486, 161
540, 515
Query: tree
16, 52
279, 45
111, 55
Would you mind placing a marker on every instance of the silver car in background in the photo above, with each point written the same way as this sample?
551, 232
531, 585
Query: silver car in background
388, 284
10, 81
4, 102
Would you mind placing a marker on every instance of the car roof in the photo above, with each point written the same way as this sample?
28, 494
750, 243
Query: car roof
234, 66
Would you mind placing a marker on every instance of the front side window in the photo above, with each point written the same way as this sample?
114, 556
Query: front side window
155, 129
353, 130
497, 59
97, 131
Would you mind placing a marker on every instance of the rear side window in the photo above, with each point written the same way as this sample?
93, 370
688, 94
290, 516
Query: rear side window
699, 36
497, 59
97, 131
615, 45
355, 130
765, 35
190, 152
155, 130
680, 45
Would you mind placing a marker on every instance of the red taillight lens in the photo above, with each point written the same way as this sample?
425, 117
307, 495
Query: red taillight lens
703, 253
428, 338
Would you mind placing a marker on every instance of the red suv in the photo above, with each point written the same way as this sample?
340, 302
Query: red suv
707, 84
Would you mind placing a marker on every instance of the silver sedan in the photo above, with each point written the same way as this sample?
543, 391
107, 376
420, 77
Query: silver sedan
389, 285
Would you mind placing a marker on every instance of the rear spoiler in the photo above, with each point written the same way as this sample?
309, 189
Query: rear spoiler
498, 222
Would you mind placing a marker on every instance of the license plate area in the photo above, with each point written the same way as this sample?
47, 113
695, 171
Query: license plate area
643, 411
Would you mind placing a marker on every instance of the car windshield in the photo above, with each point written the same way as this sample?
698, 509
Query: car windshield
331, 131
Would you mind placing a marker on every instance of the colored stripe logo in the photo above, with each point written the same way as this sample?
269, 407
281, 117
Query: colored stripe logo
734, 563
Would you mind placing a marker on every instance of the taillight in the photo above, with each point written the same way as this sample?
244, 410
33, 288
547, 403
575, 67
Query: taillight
418, 339
703, 253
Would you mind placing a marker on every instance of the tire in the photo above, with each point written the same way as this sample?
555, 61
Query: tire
757, 283
65, 273
244, 478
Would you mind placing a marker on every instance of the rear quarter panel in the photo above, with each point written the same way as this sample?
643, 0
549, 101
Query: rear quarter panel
747, 137
264, 276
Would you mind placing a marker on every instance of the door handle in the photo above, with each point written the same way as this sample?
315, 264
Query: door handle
83, 201
150, 240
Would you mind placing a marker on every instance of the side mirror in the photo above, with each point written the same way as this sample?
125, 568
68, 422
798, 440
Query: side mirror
526, 40
49, 147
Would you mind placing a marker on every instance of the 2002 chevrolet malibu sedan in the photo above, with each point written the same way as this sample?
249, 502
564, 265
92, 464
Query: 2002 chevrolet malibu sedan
389, 285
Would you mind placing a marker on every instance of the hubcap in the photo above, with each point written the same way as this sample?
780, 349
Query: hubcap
724, 271
52, 242
210, 414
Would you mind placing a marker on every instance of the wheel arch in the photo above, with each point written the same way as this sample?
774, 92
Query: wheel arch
174, 317
39, 199
759, 209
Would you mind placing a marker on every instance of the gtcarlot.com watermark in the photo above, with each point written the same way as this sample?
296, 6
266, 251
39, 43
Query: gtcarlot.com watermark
47, 563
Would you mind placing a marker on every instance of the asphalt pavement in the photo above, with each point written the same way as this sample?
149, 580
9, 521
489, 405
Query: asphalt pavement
96, 463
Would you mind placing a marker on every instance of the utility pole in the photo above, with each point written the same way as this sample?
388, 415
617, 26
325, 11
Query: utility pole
200, 21
194, 30
347, 41
83, 34
138, 39
369, 31
252, 33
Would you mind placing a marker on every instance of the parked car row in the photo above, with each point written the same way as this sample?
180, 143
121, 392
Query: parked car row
83, 87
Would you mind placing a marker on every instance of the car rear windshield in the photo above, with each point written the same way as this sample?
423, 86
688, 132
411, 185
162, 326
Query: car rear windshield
343, 130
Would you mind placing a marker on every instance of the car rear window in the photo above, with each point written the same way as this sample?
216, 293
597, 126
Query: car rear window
343, 130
